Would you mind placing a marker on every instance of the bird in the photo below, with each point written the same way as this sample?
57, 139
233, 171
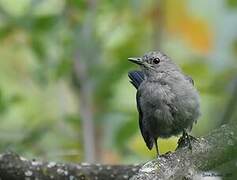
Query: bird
168, 104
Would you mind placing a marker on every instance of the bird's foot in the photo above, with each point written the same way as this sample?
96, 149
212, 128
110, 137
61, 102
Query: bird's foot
185, 141
166, 155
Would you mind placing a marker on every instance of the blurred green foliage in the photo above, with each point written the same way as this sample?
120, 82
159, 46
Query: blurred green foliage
40, 95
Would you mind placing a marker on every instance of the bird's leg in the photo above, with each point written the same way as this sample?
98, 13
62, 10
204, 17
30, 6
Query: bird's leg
185, 140
186, 136
157, 149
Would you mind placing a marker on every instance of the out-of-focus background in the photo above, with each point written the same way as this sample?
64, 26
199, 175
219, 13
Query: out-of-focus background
64, 90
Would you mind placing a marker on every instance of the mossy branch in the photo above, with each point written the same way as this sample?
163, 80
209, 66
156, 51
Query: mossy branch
207, 153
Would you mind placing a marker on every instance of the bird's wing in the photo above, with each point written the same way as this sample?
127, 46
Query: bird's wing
145, 134
136, 78
189, 78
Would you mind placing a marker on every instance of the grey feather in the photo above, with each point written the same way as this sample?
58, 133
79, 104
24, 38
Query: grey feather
189, 78
136, 78
145, 133
167, 101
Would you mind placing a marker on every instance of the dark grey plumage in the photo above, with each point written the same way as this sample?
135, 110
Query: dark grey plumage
167, 101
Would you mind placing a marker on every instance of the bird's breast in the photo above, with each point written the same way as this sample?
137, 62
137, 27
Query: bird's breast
180, 99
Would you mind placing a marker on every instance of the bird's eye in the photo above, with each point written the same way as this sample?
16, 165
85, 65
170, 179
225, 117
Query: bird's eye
156, 60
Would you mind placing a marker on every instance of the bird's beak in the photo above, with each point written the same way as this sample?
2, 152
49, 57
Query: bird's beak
136, 60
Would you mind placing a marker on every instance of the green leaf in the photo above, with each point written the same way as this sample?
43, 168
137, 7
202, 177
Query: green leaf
64, 67
232, 4
15, 8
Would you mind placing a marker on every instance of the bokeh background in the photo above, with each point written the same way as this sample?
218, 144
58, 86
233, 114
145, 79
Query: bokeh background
64, 90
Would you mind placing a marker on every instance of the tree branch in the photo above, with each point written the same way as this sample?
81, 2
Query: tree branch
207, 153
12, 166
217, 148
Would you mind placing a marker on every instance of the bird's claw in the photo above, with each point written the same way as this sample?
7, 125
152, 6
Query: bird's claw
185, 141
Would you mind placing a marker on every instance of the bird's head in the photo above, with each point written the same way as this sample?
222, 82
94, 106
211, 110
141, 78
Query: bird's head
153, 62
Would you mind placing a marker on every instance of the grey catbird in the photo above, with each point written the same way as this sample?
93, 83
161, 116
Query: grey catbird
167, 101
